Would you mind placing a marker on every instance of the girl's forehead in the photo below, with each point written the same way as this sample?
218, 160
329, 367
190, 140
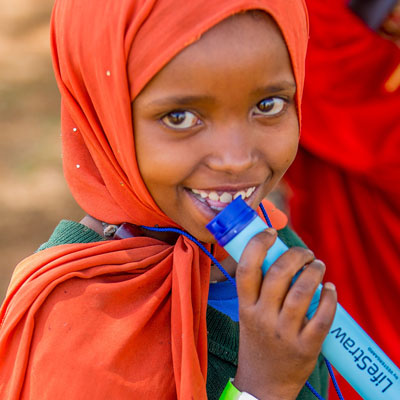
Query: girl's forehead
158, 44
230, 33
240, 44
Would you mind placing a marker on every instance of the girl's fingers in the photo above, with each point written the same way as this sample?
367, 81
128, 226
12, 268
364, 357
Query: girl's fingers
318, 327
279, 276
299, 296
248, 272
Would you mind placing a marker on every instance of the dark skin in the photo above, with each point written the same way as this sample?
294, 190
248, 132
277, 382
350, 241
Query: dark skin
273, 326
202, 124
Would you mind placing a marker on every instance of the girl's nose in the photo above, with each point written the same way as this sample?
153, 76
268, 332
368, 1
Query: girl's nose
232, 151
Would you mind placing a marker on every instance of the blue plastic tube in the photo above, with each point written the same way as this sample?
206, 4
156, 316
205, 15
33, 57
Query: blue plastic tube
347, 347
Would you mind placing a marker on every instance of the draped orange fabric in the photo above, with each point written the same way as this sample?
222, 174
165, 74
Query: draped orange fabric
118, 319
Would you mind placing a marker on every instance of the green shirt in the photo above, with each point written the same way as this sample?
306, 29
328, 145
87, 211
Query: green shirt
223, 333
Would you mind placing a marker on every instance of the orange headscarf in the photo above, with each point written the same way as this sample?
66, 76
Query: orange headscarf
118, 319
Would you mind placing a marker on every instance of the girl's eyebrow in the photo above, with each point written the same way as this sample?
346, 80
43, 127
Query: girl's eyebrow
275, 88
181, 100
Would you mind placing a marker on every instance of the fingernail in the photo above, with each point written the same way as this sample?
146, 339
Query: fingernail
271, 231
329, 286
311, 253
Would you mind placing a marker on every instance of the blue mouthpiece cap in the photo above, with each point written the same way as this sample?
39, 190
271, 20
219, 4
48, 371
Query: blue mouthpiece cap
231, 221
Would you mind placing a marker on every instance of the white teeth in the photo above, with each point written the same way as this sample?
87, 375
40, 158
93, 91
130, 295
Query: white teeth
213, 196
225, 197
250, 191
241, 193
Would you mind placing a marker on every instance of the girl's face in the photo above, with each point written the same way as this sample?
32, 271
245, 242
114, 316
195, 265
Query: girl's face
218, 121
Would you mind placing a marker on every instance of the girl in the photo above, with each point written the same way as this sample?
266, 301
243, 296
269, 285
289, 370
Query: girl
169, 110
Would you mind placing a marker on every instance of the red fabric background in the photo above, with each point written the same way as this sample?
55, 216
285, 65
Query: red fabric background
345, 180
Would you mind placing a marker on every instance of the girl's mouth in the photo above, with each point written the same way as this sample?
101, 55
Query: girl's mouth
218, 200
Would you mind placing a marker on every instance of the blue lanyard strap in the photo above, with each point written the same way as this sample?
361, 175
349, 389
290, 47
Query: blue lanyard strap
233, 282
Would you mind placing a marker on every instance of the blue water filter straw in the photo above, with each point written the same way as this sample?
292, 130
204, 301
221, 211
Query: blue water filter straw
347, 347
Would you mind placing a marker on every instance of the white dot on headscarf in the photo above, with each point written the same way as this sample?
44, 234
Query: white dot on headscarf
78, 166
108, 73
75, 129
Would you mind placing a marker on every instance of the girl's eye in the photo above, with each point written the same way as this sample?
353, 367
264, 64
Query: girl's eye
271, 107
180, 120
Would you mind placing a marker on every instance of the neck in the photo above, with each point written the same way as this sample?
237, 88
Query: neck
229, 265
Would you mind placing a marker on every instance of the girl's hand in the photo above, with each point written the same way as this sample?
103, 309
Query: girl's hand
278, 347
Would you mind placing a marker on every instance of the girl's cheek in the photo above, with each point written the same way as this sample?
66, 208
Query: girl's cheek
283, 151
